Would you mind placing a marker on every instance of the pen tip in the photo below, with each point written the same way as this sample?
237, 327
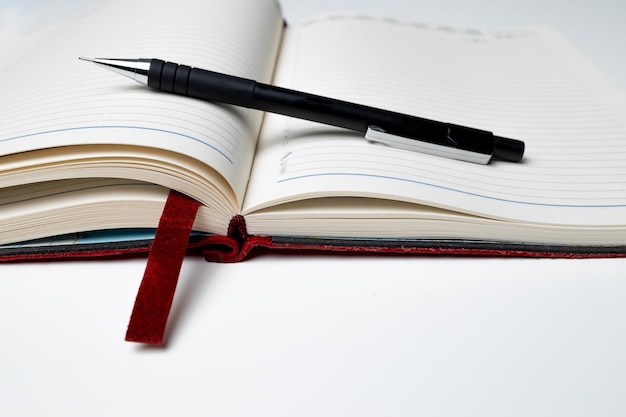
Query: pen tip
82, 58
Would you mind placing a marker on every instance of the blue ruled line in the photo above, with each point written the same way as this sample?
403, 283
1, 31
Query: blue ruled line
120, 127
388, 177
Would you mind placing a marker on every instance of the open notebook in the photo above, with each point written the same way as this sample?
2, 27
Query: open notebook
91, 164
83, 150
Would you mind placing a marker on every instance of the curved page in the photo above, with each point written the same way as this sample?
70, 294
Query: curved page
527, 84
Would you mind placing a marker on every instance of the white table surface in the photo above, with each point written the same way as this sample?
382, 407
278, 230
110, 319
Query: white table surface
336, 335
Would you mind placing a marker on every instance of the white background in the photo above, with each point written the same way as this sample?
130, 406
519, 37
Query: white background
337, 335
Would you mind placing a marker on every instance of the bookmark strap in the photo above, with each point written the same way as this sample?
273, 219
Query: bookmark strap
156, 292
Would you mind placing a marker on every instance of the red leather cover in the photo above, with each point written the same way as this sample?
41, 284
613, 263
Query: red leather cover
172, 242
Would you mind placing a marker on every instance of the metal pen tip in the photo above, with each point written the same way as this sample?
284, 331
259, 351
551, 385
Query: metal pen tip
135, 69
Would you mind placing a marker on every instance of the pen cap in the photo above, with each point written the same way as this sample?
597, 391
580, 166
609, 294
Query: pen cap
508, 149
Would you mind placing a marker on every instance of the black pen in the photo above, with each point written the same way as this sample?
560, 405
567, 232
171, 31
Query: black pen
383, 126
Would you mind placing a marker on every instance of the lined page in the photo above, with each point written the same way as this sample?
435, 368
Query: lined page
526, 84
51, 99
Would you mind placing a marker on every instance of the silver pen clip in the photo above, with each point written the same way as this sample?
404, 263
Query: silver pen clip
377, 135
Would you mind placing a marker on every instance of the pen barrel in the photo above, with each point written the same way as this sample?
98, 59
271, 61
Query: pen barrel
359, 118
223, 88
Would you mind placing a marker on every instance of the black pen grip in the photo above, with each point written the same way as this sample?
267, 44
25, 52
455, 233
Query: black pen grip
201, 84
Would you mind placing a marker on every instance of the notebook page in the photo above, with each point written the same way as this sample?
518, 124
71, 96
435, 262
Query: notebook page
51, 99
525, 84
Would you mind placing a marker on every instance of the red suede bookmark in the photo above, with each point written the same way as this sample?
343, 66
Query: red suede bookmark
156, 292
